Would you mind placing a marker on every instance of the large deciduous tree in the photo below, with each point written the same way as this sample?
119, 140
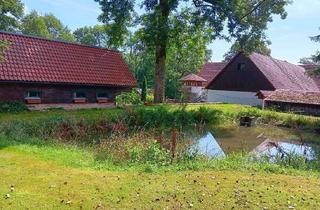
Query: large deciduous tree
93, 35
11, 11
47, 26
238, 16
185, 41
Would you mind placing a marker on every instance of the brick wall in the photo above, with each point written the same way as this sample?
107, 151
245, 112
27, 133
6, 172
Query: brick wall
54, 93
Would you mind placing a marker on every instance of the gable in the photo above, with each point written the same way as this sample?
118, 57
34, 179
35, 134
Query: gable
250, 79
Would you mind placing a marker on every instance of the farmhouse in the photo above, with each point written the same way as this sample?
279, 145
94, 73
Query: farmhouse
239, 80
37, 70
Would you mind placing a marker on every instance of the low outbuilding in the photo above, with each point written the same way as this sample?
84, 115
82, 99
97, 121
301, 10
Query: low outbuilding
42, 71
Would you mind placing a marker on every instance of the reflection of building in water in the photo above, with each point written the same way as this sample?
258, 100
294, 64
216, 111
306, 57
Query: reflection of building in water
208, 146
280, 149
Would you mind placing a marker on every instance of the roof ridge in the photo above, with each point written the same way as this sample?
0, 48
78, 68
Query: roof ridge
55, 40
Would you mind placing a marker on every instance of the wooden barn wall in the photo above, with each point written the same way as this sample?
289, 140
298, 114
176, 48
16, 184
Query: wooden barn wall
248, 80
306, 109
53, 93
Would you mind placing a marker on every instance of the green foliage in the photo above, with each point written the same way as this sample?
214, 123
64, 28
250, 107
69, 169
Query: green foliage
167, 22
4, 46
118, 16
161, 117
94, 36
47, 26
313, 59
14, 107
11, 11
128, 98
153, 154
144, 90
248, 45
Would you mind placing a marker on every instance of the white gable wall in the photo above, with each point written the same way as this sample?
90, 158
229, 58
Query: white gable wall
234, 97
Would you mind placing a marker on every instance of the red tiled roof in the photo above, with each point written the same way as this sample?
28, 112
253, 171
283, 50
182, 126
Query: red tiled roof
294, 96
283, 75
192, 78
210, 70
32, 59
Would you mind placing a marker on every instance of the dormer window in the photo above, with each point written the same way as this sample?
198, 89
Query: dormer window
241, 66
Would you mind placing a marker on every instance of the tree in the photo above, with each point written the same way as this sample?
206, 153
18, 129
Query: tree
248, 45
185, 41
215, 14
11, 11
47, 26
94, 36
144, 90
313, 59
4, 46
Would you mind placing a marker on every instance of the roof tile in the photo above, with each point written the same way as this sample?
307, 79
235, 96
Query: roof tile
284, 75
35, 59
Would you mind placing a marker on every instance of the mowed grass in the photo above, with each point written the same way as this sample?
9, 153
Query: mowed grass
30, 183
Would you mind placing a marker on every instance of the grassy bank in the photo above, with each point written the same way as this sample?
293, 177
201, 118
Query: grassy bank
229, 113
122, 139
123, 159
37, 184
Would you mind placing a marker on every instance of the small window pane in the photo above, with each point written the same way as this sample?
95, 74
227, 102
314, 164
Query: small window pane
241, 66
79, 94
33, 94
103, 95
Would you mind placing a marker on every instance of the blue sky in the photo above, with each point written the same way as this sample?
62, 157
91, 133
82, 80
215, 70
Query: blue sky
289, 37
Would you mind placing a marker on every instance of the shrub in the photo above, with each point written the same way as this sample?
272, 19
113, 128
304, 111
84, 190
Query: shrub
150, 98
152, 154
128, 98
14, 106
207, 116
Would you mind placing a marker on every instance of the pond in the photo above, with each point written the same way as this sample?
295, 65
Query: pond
260, 140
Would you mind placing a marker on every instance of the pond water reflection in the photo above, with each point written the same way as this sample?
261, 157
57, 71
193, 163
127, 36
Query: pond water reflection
268, 140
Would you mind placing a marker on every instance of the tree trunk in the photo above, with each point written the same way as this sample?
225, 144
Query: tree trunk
159, 83
161, 52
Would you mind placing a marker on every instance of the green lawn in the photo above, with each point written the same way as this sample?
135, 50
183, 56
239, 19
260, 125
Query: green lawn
31, 183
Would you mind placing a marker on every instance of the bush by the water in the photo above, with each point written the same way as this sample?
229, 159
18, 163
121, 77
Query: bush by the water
14, 106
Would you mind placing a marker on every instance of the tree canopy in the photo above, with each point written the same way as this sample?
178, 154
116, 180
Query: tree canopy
185, 41
313, 59
92, 35
240, 17
10, 13
47, 26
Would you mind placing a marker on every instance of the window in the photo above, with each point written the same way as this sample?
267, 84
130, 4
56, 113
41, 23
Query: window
241, 66
33, 94
79, 94
103, 95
